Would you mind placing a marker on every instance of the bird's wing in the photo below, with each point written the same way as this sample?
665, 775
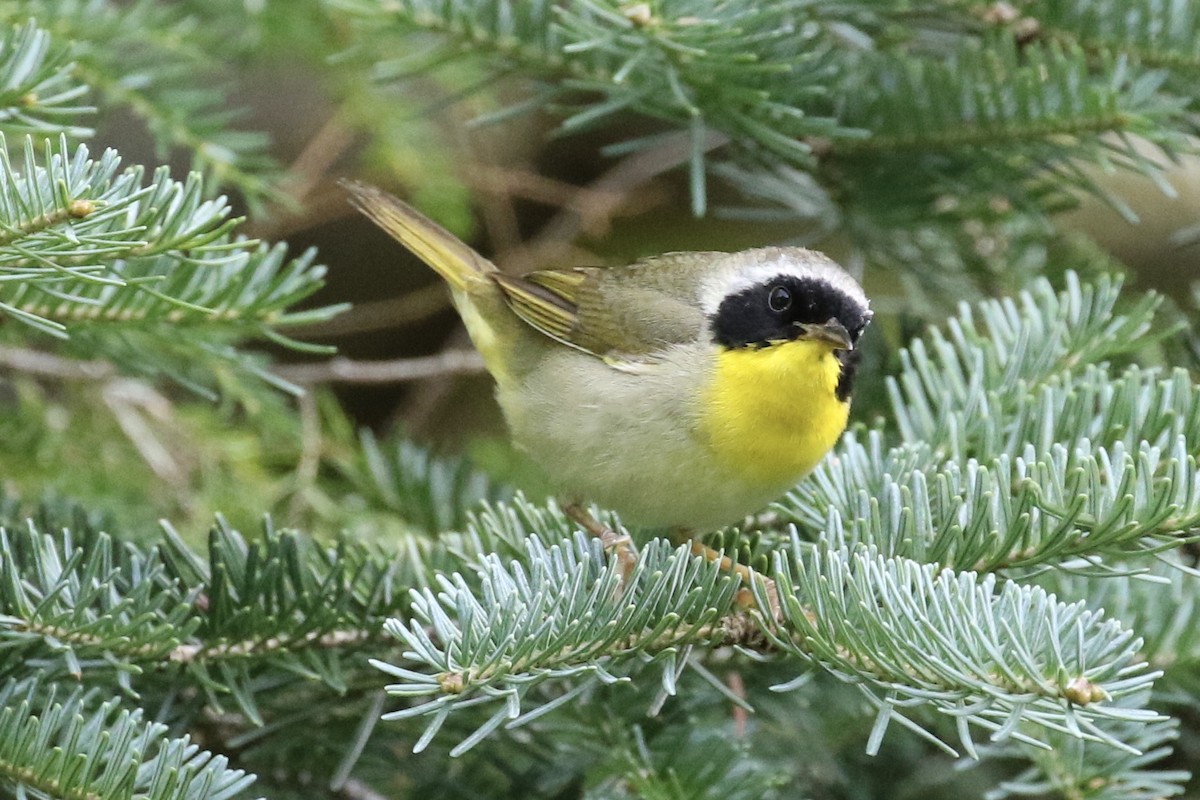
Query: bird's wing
616, 314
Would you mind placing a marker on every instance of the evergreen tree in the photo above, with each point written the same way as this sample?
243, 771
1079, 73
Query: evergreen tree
995, 569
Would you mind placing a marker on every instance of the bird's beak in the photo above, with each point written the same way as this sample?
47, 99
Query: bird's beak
832, 331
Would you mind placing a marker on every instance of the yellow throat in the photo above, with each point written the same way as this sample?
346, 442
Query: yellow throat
771, 414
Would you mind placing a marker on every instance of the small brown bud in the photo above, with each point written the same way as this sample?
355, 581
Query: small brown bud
1081, 691
451, 682
820, 146
1026, 29
1000, 14
639, 14
80, 208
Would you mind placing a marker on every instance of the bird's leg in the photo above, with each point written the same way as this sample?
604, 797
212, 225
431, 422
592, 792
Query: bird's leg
745, 597
618, 544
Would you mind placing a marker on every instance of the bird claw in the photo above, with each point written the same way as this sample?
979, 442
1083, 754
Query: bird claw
619, 545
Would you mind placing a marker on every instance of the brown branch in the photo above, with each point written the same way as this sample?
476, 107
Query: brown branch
335, 370
741, 719
307, 197
377, 315
134, 405
539, 188
316, 159
48, 365
345, 370
428, 397
597, 203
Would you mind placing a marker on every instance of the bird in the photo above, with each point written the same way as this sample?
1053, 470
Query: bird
684, 391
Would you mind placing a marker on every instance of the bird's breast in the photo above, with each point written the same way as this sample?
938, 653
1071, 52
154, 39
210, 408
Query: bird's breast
772, 413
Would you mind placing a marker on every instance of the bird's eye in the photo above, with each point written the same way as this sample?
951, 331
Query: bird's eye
780, 298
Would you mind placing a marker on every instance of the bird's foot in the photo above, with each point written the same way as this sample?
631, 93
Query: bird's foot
618, 545
745, 596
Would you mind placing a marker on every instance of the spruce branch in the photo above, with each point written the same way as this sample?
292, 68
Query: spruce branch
81, 241
1020, 446
952, 386
86, 606
976, 109
724, 69
1159, 602
74, 600
695, 763
164, 65
151, 276
995, 657
988, 656
1081, 770
1080, 485
67, 603
432, 494
994, 93
283, 604
1155, 33
74, 748
569, 615
38, 93
999, 130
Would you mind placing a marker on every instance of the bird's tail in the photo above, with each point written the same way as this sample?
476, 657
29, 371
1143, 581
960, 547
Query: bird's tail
457, 263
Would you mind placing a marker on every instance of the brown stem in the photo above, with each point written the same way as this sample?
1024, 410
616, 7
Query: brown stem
345, 370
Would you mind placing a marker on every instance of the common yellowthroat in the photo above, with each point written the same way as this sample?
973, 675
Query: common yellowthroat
686, 390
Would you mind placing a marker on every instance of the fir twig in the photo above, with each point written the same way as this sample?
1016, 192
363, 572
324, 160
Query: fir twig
38, 93
157, 61
79, 749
